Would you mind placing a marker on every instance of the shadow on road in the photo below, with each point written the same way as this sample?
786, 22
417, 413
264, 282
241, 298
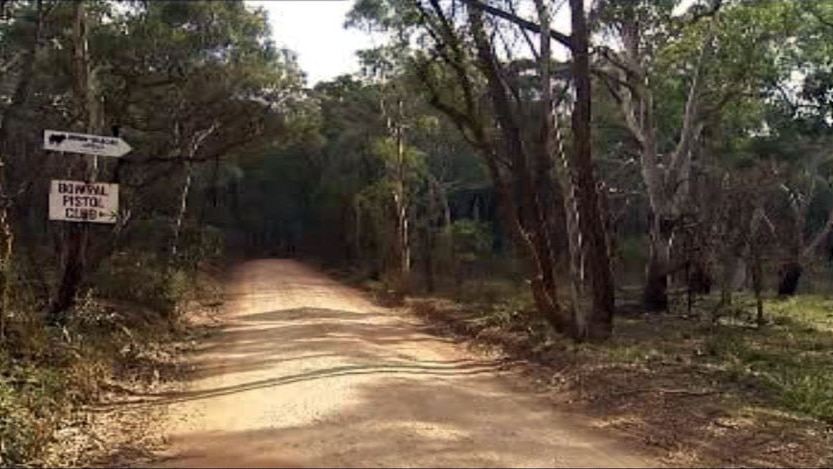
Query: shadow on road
308, 385
263, 340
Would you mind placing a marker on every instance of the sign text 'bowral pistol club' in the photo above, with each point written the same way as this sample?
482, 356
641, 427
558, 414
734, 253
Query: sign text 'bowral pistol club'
82, 201
79, 201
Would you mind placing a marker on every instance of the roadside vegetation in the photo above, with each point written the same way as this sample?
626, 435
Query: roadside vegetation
701, 393
89, 312
641, 210
56, 381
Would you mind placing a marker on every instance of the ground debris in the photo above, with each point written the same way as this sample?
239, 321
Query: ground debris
659, 382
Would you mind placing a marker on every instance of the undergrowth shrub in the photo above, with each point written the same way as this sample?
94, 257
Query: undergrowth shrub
33, 403
119, 330
143, 278
809, 392
47, 373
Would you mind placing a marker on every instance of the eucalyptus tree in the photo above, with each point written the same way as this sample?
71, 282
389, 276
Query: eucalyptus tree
466, 61
673, 73
184, 83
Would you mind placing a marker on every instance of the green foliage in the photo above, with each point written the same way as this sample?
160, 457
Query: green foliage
31, 406
410, 162
47, 374
144, 278
791, 358
472, 240
807, 392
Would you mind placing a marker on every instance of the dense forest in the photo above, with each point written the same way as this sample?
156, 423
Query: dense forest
655, 156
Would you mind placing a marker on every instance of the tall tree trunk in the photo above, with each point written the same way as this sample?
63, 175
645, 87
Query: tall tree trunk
19, 98
190, 152
357, 233
403, 246
6, 251
77, 234
527, 214
554, 150
655, 295
428, 260
576, 250
758, 283
590, 220
789, 272
402, 242
430, 235
666, 179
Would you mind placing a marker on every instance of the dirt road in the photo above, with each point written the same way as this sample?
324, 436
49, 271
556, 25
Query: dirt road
309, 373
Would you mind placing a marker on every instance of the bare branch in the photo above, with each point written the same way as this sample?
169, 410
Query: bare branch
609, 77
527, 38
564, 39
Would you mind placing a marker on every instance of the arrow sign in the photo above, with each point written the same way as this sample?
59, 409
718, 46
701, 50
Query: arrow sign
58, 140
79, 201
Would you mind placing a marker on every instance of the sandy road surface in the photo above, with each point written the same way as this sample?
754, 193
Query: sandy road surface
309, 373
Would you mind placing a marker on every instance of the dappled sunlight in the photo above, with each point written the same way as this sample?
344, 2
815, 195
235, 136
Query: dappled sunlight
296, 380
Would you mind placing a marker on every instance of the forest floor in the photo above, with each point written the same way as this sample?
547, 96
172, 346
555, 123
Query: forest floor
308, 372
725, 394
61, 391
108, 431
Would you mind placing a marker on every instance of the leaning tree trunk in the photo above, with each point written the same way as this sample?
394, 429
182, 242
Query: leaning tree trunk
578, 291
183, 210
527, 217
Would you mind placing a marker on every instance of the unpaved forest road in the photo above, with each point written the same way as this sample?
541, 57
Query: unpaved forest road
309, 373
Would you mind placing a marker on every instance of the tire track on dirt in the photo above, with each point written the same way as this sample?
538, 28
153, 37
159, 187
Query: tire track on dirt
307, 372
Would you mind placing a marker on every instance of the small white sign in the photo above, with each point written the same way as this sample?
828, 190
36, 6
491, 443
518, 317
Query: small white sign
58, 140
79, 201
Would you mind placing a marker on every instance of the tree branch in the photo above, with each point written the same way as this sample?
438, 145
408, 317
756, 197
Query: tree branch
691, 125
818, 16
564, 39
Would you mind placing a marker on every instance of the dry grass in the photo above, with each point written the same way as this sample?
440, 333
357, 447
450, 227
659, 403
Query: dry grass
59, 387
729, 394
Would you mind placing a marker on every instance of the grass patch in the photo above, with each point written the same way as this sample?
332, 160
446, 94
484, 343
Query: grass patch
702, 393
808, 393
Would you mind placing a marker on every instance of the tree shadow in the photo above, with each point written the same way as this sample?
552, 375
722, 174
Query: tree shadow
334, 343
377, 394
471, 422
262, 340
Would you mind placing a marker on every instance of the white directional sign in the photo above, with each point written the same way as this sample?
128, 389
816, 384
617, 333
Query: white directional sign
58, 140
79, 201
